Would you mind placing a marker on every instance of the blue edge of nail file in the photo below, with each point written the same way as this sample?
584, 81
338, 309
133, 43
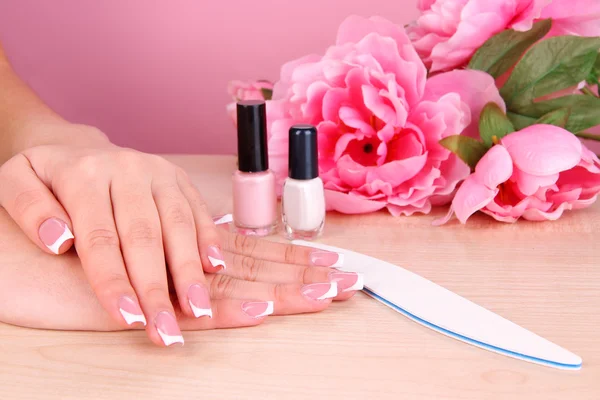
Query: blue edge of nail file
446, 312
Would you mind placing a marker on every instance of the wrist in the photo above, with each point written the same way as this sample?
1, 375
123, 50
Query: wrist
43, 131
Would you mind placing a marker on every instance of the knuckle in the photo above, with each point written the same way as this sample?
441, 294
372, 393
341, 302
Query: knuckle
278, 292
101, 237
89, 166
251, 268
156, 291
223, 286
27, 200
304, 274
290, 254
110, 286
142, 233
245, 244
178, 215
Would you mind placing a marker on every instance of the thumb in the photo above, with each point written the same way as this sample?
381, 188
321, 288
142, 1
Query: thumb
33, 207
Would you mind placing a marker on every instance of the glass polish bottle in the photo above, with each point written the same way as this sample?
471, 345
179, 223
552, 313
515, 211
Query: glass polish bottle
303, 199
254, 195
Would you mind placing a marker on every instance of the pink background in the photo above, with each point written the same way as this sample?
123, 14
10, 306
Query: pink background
153, 74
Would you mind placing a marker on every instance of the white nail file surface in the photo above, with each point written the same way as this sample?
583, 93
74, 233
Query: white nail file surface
446, 312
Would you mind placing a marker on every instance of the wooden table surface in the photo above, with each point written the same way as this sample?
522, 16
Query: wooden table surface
543, 276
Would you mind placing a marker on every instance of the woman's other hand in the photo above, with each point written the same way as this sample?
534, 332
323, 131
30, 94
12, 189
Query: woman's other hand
261, 278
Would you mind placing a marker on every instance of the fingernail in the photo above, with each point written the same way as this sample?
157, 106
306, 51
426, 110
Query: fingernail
322, 258
199, 300
347, 281
223, 219
320, 291
131, 311
53, 233
215, 257
257, 309
167, 328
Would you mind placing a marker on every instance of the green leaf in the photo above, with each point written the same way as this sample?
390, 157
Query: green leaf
595, 74
503, 50
588, 136
549, 66
558, 117
267, 93
520, 121
466, 148
585, 111
493, 124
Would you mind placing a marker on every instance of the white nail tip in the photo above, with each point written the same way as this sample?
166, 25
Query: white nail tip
66, 235
359, 285
168, 339
268, 311
225, 219
201, 312
216, 262
132, 318
339, 262
332, 292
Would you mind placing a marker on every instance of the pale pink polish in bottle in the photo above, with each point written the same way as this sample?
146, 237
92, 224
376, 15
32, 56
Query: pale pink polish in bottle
254, 196
303, 200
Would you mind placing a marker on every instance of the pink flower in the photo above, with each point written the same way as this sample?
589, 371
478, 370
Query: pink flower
574, 17
448, 32
379, 119
536, 173
240, 90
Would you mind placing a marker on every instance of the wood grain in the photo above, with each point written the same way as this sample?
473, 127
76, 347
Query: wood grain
543, 276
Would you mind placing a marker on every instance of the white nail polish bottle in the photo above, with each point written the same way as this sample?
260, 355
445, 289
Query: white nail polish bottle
303, 200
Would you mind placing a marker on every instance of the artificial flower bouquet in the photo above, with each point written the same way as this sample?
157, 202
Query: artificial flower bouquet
480, 104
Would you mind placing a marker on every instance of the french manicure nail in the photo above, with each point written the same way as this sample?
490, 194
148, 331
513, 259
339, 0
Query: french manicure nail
223, 219
53, 233
257, 309
167, 328
215, 257
347, 281
322, 258
199, 300
320, 291
131, 311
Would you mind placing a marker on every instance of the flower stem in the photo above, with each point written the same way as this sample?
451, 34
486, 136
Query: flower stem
586, 90
589, 136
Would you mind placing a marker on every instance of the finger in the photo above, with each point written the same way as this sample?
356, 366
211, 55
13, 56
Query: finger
257, 270
139, 228
209, 240
287, 298
181, 248
279, 252
98, 248
230, 313
33, 206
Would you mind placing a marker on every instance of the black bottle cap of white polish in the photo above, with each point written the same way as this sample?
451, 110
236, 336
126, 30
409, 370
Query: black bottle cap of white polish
303, 152
252, 136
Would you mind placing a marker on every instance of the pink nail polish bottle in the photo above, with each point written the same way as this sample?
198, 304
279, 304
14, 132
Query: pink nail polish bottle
303, 201
254, 196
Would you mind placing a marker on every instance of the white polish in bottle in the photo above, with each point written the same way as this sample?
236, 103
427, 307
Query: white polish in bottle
303, 200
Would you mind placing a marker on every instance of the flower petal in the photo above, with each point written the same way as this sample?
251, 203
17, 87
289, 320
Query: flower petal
495, 167
349, 204
471, 197
543, 149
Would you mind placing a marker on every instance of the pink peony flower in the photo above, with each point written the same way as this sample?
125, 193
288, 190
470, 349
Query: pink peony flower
448, 32
574, 17
536, 173
379, 119
240, 90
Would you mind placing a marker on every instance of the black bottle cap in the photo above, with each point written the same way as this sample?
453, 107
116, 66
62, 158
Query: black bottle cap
303, 152
252, 136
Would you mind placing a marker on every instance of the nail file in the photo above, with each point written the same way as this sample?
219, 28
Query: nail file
446, 312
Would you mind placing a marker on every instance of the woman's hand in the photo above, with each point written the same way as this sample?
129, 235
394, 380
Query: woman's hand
41, 291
